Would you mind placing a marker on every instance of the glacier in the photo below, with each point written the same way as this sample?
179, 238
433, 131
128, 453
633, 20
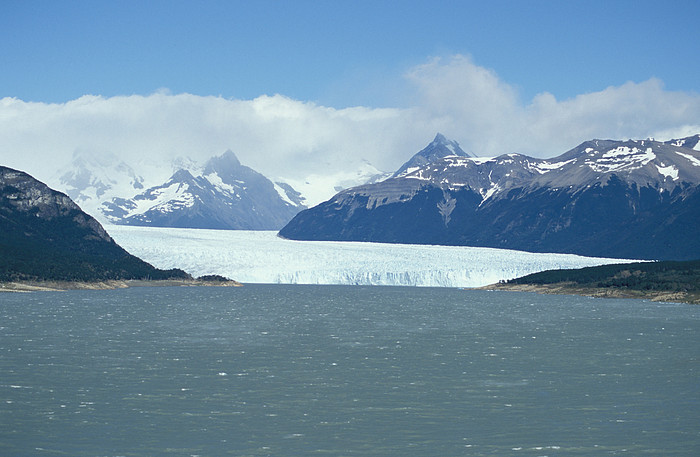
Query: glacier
263, 257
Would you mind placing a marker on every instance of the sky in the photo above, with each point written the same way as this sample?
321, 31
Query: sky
300, 87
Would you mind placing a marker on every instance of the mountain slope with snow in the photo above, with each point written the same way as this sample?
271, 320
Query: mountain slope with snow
226, 195
437, 149
629, 199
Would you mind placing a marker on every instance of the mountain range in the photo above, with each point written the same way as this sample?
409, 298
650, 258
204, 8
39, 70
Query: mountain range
221, 194
44, 235
637, 199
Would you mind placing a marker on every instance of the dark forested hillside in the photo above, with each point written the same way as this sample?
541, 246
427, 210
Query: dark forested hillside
45, 236
669, 278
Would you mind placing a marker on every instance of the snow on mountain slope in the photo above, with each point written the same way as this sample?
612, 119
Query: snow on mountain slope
632, 199
92, 179
692, 142
438, 148
643, 162
224, 195
262, 257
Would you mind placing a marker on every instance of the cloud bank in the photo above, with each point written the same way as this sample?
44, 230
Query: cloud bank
489, 117
282, 137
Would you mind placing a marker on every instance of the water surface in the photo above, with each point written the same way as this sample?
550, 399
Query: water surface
345, 371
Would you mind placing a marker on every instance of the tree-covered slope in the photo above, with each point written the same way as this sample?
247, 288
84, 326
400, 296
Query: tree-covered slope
44, 235
671, 280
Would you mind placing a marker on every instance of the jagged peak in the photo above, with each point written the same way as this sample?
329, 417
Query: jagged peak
230, 156
225, 163
440, 138
437, 149
452, 145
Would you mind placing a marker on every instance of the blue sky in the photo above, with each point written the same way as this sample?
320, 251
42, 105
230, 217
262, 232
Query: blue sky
338, 53
309, 91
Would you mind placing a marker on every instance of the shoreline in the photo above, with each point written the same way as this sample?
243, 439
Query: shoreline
550, 289
55, 286
597, 292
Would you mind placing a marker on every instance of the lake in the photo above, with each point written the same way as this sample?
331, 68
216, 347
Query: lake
297, 370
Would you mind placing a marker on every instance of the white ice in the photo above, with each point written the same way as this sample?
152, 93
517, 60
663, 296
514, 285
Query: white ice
262, 257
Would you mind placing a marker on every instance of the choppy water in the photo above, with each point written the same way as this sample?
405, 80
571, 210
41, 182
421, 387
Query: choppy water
345, 371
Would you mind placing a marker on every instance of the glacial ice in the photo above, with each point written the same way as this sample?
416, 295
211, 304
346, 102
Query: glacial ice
263, 257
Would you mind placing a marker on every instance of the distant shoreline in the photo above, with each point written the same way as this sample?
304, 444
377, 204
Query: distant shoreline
565, 288
570, 288
53, 286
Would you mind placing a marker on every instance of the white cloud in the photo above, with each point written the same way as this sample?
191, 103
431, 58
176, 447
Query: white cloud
274, 134
282, 137
486, 115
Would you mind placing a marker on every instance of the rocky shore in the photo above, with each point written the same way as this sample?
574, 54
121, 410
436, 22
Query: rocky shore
37, 286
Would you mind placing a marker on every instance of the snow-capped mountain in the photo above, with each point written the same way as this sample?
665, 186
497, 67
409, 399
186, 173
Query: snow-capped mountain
225, 195
93, 178
437, 149
625, 199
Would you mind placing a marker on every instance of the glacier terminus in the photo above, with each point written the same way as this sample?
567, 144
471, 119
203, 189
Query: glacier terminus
263, 257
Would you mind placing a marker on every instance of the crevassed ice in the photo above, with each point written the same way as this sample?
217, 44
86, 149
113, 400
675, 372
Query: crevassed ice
262, 257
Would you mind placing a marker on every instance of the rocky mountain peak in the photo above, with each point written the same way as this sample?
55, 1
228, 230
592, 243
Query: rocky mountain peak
438, 148
225, 164
225, 195
181, 176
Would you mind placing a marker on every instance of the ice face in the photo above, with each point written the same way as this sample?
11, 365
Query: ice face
262, 257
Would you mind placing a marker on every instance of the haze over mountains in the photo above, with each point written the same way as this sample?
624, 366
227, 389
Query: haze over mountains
221, 194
